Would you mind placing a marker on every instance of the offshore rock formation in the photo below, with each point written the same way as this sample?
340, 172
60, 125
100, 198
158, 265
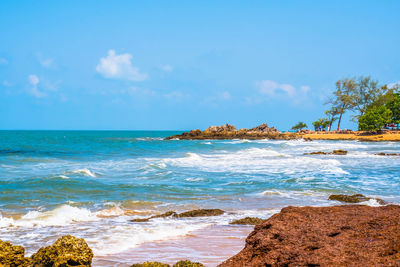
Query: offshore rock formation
334, 152
356, 198
248, 221
191, 213
228, 131
351, 235
66, 251
387, 154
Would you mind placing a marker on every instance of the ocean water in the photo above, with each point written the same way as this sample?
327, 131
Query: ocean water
92, 183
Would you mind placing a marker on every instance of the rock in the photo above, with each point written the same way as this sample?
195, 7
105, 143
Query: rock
307, 139
150, 264
191, 213
66, 251
264, 129
339, 152
187, 263
316, 153
357, 198
335, 152
387, 154
223, 128
172, 214
350, 235
11, 255
201, 213
248, 221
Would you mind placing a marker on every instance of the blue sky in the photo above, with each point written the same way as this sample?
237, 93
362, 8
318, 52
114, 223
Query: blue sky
168, 65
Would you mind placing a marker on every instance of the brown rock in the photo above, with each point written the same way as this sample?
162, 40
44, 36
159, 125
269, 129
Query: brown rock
66, 251
201, 213
11, 255
356, 198
248, 221
188, 263
334, 152
387, 154
339, 152
351, 235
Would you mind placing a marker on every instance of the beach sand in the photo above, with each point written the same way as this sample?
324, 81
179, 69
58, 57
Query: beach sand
210, 246
353, 136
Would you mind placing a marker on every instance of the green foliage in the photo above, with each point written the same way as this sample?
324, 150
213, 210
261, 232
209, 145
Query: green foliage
300, 125
374, 118
394, 106
321, 122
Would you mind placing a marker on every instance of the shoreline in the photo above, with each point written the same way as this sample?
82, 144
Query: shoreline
389, 136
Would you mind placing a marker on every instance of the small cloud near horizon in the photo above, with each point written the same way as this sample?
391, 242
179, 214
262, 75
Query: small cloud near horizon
166, 68
119, 67
45, 62
3, 61
34, 81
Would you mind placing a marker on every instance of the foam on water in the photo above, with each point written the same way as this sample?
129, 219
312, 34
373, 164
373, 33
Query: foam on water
85, 172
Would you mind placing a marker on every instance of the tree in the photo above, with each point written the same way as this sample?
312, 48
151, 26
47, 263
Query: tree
300, 125
374, 118
367, 92
332, 116
344, 97
321, 122
394, 106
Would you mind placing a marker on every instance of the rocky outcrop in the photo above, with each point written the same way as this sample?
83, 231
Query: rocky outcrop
185, 263
334, 152
248, 221
387, 154
263, 128
201, 213
11, 255
223, 128
356, 198
191, 213
350, 235
66, 251
228, 131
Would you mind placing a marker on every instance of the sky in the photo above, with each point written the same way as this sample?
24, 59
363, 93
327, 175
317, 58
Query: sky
179, 65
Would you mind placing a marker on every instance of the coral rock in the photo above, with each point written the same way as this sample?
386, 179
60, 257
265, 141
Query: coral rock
11, 255
357, 198
66, 251
248, 221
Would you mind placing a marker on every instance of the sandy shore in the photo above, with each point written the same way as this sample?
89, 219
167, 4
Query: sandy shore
392, 136
210, 246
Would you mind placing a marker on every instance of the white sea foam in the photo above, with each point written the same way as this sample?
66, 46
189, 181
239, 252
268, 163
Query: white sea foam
257, 160
85, 172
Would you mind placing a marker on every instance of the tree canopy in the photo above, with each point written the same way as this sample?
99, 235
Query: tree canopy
300, 125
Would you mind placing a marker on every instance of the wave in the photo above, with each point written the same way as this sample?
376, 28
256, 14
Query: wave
85, 172
257, 160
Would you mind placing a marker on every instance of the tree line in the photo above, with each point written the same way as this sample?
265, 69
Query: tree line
374, 105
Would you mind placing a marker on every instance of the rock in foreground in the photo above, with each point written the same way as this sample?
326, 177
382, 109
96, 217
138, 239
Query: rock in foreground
11, 255
66, 251
352, 235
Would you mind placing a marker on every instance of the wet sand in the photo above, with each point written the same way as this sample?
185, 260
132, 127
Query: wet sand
209, 246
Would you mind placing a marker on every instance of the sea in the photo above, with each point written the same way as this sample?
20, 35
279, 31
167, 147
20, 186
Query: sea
91, 184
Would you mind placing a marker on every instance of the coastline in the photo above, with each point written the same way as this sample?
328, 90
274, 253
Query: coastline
385, 136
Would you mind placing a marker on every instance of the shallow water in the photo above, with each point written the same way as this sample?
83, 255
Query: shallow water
91, 183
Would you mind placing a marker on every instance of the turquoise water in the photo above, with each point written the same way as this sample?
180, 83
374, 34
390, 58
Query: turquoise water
91, 183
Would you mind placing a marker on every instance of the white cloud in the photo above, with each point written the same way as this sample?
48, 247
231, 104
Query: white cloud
272, 88
115, 66
45, 62
34, 81
3, 61
225, 95
166, 68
